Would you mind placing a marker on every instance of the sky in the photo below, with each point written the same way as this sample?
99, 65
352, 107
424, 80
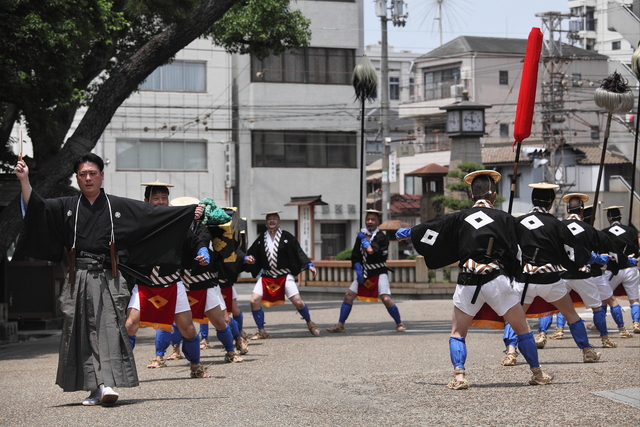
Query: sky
487, 18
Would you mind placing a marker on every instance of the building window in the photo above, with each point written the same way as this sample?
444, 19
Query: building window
504, 77
311, 65
412, 88
595, 133
504, 129
149, 154
179, 76
300, 149
437, 84
615, 45
394, 88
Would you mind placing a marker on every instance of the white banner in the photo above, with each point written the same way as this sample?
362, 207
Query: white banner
392, 167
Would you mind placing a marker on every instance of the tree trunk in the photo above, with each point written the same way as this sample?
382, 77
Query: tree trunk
121, 83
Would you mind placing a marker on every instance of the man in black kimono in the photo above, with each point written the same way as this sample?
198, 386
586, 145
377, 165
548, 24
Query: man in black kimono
369, 261
279, 255
95, 353
625, 271
483, 240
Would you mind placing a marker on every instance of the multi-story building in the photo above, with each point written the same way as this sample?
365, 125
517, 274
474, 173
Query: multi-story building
611, 28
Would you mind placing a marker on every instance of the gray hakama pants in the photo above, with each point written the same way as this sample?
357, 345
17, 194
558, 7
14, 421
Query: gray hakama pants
95, 348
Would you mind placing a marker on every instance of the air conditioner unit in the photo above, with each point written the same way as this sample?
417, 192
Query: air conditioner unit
456, 90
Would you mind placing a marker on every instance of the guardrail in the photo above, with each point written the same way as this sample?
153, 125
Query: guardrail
410, 278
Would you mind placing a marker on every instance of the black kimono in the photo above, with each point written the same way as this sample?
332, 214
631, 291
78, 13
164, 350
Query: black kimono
291, 258
94, 348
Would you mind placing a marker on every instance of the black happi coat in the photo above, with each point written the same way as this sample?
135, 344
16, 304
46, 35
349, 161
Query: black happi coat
592, 239
290, 255
465, 235
380, 246
625, 239
543, 236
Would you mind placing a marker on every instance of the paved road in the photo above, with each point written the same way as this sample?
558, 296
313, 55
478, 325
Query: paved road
369, 375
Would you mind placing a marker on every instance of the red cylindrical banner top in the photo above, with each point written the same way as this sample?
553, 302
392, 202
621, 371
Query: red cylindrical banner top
528, 85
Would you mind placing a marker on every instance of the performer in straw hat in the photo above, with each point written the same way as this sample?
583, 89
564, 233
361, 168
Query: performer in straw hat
158, 297
279, 255
369, 261
483, 240
590, 286
203, 294
625, 271
548, 249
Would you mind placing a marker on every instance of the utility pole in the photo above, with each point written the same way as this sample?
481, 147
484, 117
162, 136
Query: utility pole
552, 107
399, 19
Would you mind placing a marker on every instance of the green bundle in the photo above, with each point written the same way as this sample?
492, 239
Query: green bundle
213, 215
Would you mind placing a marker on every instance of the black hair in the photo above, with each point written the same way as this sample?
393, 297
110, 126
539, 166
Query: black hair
542, 197
575, 205
88, 158
481, 186
155, 189
373, 213
586, 215
614, 214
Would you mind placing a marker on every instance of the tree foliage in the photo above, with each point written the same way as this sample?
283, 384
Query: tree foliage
58, 55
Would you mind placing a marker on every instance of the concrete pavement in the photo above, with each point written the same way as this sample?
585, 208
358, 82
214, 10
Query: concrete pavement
369, 375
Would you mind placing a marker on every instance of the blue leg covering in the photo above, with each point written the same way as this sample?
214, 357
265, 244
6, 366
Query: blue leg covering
132, 342
226, 338
579, 333
509, 336
345, 310
635, 312
163, 340
258, 316
176, 336
204, 331
457, 351
191, 349
616, 313
528, 348
395, 313
600, 320
560, 320
545, 322
240, 319
235, 331
304, 312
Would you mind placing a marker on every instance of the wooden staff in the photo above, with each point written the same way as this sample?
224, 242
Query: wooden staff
20, 155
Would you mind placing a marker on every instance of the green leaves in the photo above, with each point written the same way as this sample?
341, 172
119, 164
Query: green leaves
261, 28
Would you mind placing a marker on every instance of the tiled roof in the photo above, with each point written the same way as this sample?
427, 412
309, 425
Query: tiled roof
401, 204
470, 44
430, 169
493, 154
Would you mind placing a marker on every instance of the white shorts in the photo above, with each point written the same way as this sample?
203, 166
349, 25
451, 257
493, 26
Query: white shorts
383, 285
587, 289
603, 287
497, 293
290, 287
550, 293
214, 299
182, 302
629, 278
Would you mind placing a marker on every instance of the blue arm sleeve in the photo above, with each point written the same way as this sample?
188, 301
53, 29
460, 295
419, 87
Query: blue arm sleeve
403, 233
205, 252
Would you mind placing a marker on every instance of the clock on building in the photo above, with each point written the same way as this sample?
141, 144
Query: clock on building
453, 121
472, 121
